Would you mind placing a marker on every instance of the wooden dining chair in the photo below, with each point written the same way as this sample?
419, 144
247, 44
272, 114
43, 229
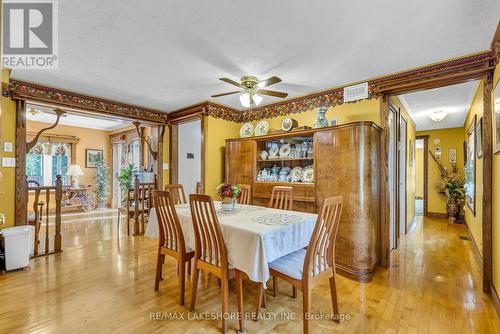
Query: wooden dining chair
171, 241
177, 191
282, 198
199, 189
245, 195
138, 205
210, 249
305, 268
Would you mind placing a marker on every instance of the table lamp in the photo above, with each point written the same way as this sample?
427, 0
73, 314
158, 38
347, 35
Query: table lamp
74, 171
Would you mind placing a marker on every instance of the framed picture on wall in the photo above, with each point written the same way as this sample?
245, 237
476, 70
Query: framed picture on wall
470, 168
452, 155
91, 157
496, 115
479, 138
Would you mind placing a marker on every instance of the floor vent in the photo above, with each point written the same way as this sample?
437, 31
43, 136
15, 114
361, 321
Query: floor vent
463, 237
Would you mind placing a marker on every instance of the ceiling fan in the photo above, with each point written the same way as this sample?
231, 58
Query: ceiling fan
252, 90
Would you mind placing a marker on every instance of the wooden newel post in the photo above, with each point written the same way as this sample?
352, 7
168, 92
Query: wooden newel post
57, 238
136, 204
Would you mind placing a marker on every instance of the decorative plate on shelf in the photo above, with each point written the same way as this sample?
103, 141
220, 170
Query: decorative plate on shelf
296, 174
262, 128
308, 174
285, 151
273, 151
246, 130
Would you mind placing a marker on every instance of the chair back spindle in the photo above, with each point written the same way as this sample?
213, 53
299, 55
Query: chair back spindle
245, 195
281, 198
178, 194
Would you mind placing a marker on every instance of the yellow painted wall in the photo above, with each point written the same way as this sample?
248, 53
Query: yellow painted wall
450, 138
496, 201
475, 222
366, 110
216, 132
7, 174
419, 172
89, 139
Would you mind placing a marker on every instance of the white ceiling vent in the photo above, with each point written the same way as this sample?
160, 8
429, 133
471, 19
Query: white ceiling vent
356, 92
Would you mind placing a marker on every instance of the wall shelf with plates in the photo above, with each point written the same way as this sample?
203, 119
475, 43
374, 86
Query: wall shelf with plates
341, 160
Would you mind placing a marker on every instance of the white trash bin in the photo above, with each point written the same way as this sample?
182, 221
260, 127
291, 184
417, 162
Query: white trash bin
18, 243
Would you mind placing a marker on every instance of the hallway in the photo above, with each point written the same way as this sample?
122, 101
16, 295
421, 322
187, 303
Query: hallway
104, 284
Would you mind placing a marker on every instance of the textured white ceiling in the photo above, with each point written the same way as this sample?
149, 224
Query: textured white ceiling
454, 100
46, 115
169, 54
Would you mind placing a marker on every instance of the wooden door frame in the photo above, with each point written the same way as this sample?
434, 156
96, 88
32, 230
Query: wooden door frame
396, 112
405, 153
25, 92
451, 77
425, 155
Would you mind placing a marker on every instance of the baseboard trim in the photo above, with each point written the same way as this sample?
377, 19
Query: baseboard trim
440, 215
437, 215
478, 253
495, 299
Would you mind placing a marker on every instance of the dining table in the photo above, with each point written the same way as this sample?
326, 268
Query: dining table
254, 235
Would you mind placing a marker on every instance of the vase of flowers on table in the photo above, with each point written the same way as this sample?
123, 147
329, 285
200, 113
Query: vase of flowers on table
228, 193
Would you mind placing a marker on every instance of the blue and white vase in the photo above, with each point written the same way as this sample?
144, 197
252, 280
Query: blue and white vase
320, 121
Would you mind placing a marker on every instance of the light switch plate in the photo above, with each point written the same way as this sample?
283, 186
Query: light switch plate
7, 146
165, 166
8, 162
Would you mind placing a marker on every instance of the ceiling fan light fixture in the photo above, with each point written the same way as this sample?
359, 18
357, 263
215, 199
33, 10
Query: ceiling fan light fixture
257, 99
438, 116
245, 100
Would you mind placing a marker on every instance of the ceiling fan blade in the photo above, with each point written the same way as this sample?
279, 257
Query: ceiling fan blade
272, 93
268, 82
223, 94
232, 82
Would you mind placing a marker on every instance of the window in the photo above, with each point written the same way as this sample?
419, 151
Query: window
47, 160
136, 152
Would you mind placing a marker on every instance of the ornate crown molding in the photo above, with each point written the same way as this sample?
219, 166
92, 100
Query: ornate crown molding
472, 65
27, 91
223, 112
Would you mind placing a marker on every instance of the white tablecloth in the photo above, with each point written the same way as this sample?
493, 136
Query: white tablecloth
254, 235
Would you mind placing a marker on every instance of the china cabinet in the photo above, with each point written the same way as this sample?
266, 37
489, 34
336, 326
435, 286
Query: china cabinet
319, 163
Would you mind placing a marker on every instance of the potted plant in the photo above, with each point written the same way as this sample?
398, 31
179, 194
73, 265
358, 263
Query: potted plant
101, 183
125, 181
452, 186
228, 193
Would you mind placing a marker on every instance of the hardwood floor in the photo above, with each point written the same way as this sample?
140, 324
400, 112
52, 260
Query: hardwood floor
104, 284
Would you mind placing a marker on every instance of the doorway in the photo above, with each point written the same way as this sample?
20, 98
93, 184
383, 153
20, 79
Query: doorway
188, 160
